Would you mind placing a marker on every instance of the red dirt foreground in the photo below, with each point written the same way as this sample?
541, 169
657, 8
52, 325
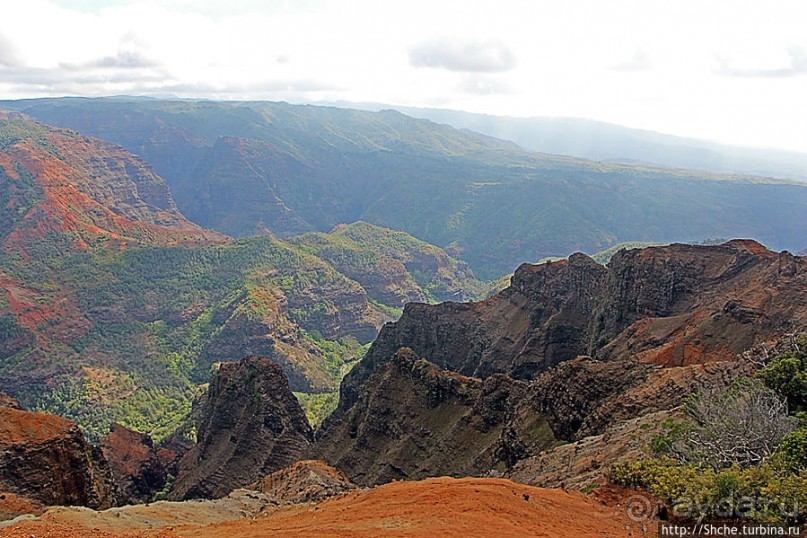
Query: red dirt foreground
444, 507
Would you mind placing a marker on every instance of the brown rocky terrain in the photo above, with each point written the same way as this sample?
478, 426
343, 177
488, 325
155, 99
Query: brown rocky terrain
13, 506
404, 418
586, 462
691, 305
414, 420
674, 305
584, 396
251, 425
424, 509
307, 481
304, 482
137, 468
7, 401
46, 458
239, 504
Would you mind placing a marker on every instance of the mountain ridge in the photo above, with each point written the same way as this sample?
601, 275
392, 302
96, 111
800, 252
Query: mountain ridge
285, 169
675, 305
603, 141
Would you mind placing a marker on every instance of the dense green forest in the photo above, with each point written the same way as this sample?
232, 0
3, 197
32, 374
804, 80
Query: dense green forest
159, 317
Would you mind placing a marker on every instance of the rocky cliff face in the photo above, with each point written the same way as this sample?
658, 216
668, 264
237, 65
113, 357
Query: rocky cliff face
137, 468
251, 426
55, 180
46, 458
584, 396
675, 305
682, 304
414, 420
611, 410
587, 461
659, 323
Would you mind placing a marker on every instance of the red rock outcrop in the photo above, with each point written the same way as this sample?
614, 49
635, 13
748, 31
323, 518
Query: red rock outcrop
58, 180
304, 482
7, 401
137, 468
46, 458
12, 506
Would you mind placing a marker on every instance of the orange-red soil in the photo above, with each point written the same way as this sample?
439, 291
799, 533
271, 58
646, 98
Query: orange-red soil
24, 428
438, 507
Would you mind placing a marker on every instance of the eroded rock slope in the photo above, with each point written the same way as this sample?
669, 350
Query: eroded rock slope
251, 426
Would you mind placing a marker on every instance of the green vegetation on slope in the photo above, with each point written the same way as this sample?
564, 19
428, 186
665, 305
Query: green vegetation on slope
317, 407
392, 265
159, 317
114, 307
738, 454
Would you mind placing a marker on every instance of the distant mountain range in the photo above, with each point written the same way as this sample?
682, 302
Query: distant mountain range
246, 168
601, 141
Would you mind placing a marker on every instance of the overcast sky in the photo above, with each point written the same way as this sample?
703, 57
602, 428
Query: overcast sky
728, 70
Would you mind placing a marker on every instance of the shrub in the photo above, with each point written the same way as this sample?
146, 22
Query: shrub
740, 426
761, 493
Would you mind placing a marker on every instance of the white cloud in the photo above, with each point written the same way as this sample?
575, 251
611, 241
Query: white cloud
463, 54
640, 62
8, 53
796, 64
120, 60
483, 85
645, 63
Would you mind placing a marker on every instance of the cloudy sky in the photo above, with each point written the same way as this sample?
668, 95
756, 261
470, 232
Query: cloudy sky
728, 70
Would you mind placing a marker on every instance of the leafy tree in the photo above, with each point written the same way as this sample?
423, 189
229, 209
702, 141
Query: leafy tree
792, 452
786, 373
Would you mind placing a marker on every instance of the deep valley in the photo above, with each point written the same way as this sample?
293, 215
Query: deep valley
236, 318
